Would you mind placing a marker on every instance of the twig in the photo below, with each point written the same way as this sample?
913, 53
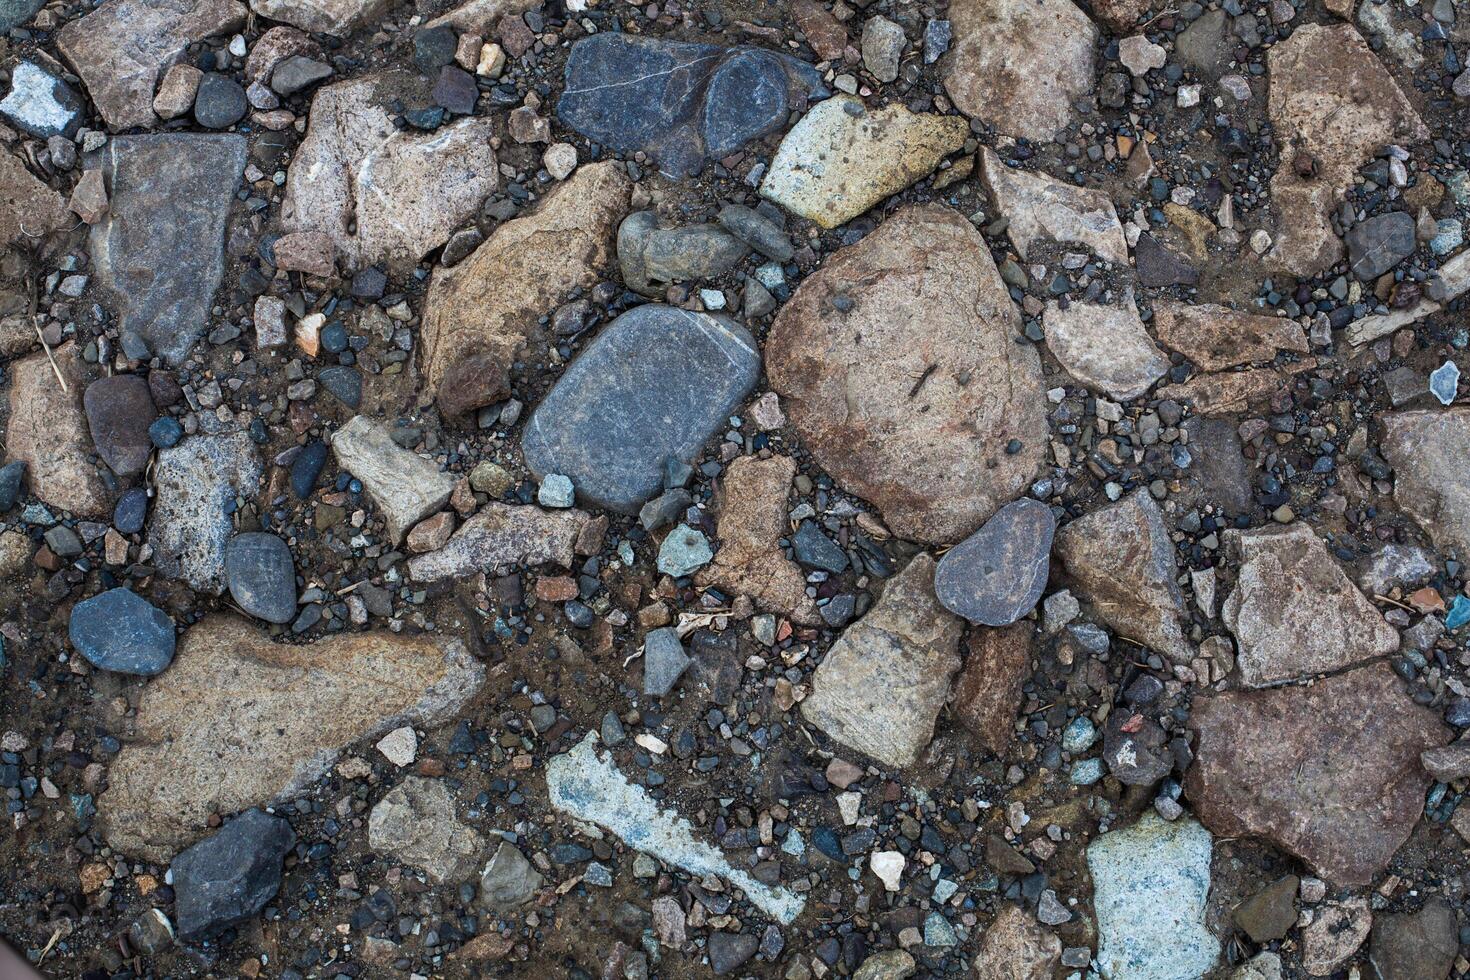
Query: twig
31, 289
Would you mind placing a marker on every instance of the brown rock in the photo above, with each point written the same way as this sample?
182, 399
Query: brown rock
1329, 772
1216, 337
1015, 947
898, 364
1235, 391
822, 31
472, 382
1040, 209
274, 47
1420, 945
1427, 450
29, 210
1448, 763
312, 252
48, 430
987, 694
500, 537
1270, 912
119, 412
177, 90
89, 197
431, 534
1120, 15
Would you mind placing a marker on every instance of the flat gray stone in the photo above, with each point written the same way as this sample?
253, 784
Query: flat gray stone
1380, 243
405, 486
121, 631
262, 576
508, 879
415, 823
197, 482
996, 575
664, 661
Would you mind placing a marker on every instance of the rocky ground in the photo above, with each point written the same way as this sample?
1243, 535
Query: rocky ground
783, 490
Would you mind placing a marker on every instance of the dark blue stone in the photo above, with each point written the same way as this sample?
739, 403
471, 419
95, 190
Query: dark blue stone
306, 468
261, 576
226, 879
344, 383
11, 477
121, 631
166, 432
131, 511
334, 337
815, 550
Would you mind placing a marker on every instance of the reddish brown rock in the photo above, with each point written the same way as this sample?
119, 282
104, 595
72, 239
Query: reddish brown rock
1233, 391
29, 210
431, 534
312, 252
472, 382
1216, 337
1120, 15
822, 31
1016, 947
987, 693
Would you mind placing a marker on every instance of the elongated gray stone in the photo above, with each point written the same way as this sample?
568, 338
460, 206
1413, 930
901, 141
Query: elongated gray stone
500, 537
197, 483
261, 576
405, 486
996, 575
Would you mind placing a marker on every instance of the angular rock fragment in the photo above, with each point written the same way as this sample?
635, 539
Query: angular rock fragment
988, 691
996, 575
1014, 947
651, 257
508, 879
1334, 935
278, 717
338, 17
119, 412
415, 823
48, 433
1427, 449
898, 366
1219, 474
29, 210
405, 487
1216, 337
40, 103
228, 878
500, 537
664, 661
1270, 912
822, 31
1038, 208
1378, 244
197, 482
1420, 945
1105, 347
1231, 392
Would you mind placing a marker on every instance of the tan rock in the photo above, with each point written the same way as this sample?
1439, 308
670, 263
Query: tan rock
48, 430
1427, 450
415, 823
822, 31
500, 537
987, 693
1016, 947
1235, 391
177, 90
29, 210
15, 554
1334, 935
1105, 347
1038, 209
326, 16
1120, 15
431, 534
273, 47
312, 252
909, 396
89, 197
278, 717
481, 16
1216, 337
405, 486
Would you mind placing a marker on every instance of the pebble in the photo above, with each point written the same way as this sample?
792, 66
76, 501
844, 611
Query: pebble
118, 630
220, 102
997, 575
683, 552
262, 576
664, 662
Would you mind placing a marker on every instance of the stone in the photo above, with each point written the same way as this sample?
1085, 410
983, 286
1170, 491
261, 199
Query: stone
14, 13
1216, 337
473, 381
88, 199
898, 366
1263, 966
197, 482
160, 248
1378, 244
996, 575
1448, 763
1329, 773
654, 384
988, 690
1150, 882
385, 195
1120, 15
40, 103
415, 823
490, 302
888, 964
337, 17
404, 486
1334, 935
1444, 382
680, 103
498, 538
1160, 266
1105, 347
261, 576
560, 159
30, 211
11, 477
763, 230
1270, 912
752, 521
1232, 392
1014, 947
1294, 611
400, 746
177, 91
728, 951
1427, 448
1040, 209
683, 552
220, 102
822, 31
1120, 559
298, 72
431, 534
118, 630
509, 879
279, 716
1020, 66
1219, 473
882, 684
664, 661
651, 258
1140, 55
1419, 945
312, 252
151, 932
120, 48
119, 411
815, 550
1398, 566
227, 878
882, 48
344, 384
842, 157
47, 432
887, 867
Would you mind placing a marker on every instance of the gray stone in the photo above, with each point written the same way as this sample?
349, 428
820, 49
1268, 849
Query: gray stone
151, 932
120, 631
326, 16
298, 72
665, 509
508, 879
815, 550
1444, 382
652, 257
1105, 347
344, 383
1378, 244
1427, 449
261, 576
683, 552
119, 411
40, 103
1136, 749
1415, 945
220, 102
882, 48
655, 383
1396, 566
556, 490
1218, 473
664, 661
761, 232
997, 575
14, 13
405, 487
197, 482
729, 951
229, 877
1448, 763
415, 823
1040, 209
498, 538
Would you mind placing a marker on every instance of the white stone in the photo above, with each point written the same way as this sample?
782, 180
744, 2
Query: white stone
32, 100
848, 806
400, 746
560, 159
888, 866
1140, 55
1105, 347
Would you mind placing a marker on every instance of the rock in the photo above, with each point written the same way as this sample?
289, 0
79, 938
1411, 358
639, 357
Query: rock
385, 195
1232, 392
344, 384
680, 103
1329, 772
683, 552
1415, 945
1444, 382
883, 682
1448, 763
1216, 337
1219, 473
560, 159
1120, 15
1040, 209
40, 103
220, 102
298, 72
151, 932
1018, 65
88, 199
763, 230
728, 951
1334, 935
1120, 559
229, 877
160, 248
1140, 55
1294, 611
1150, 882
472, 382
415, 823
197, 482
431, 534
119, 411
752, 521
404, 486
177, 91
305, 704
118, 630
996, 575
400, 746
842, 157
29, 210
1270, 912
1262, 966
500, 537
1105, 347
656, 383
312, 252
1426, 449
11, 476
14, 13
664, 661
120, 48
47, 432
1333, 105
936, 394
1136, 749
888, 964
1378, 244
337, 17
1396, 566
822, 31
1206, 44
815, 550
261, 576
651, 257
1016, 948
508, 879
882, 48
1159, 266
988, 691
490, 302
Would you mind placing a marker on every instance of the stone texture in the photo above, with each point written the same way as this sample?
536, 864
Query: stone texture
1216, 337
119, 411
1270, 912
910, 395
1294, 611
415, 823
29, 210
508, 879
197, 482
491, 301
822, 31
498, 538
48, 432
996, 575
1448, 763
882, 684
656, 383
1015, 947
404, 486
988, 691
1379, 243
121, 631
1039, 209
278, 717
1427, 450
1329, 772
262, 576
226, 879
1232, 392
1219, 474
1105, 347
1419, 945
41, 104
1334, 935
651, 258
842, 157
338, 17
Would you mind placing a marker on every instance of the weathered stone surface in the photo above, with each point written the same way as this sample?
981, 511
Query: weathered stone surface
119, 412
160, 247
1039, 208
1216, 337
1234, 391
1448, 762
1219, 473
120, 630
384, 194
1396, 566
29, 210
40, 103
14, 13
1427, 450
1105, 347
405, 487
228, 878
1270, 912
262, 576
996, 575
1378, 244
48, 432
1415, 945
415, 823
1332, 101
480, 17
197, 482
910, 392
1018, 65
680, 103
1334, 935
491, 301
987, 692
881, 686
753, 519
1329, 772
1294, 611
842, 157
1015, 947
500, 537
122, 47
278, 717
508, 879
655, 383
822, 31
324, 16
1120, 559
1120, 15
651, 258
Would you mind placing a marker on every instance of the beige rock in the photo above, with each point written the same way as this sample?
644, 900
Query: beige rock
177, 90
910, 396
325, 16
1216, 337
843, 158
29, 210
1039, 208
89, 197
481, 16
48, 431
415, 823
1428, 450
1016, 947
15, 554
1105, 347
273, 47
312, 252
1235, 391
279, 715
405, 486
490, 302
196, 482
1120, 15
501, 536
1334, 935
